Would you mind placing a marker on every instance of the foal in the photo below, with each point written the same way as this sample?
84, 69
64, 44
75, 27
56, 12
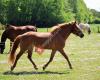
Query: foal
54, 40
12, 32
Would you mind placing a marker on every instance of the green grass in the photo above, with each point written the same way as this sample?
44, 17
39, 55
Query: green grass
84, 55
94, 27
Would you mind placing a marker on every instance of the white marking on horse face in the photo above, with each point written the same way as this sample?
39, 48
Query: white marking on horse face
78, 26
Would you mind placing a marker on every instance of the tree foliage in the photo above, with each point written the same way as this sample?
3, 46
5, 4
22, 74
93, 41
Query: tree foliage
43, 12
96, 16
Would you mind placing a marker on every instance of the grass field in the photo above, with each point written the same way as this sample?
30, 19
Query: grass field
84, 55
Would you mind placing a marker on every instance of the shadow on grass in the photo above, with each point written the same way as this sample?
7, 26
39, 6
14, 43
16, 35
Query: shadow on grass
33, 72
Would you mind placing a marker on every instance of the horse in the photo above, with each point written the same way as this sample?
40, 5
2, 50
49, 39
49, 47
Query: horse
53, 40
85, 27
11, 32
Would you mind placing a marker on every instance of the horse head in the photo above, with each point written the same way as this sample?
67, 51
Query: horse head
76, 30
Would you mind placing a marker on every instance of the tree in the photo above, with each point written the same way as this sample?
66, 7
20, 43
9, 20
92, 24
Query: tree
43, 12
3, 11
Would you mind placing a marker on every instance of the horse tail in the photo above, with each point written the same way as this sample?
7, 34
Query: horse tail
3, 40
4, 36
12, 55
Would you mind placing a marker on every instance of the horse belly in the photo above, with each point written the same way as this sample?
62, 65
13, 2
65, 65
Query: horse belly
47, 42
53, 44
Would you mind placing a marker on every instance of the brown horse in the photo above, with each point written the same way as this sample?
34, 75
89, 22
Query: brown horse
12, 32
54, 40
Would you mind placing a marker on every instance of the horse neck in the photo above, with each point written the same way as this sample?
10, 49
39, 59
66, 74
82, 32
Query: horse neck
64, 32
3, 37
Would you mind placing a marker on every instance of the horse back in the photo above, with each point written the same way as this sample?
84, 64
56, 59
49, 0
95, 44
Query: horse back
45, 40
13, 31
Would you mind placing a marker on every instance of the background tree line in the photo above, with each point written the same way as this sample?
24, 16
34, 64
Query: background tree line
43, 13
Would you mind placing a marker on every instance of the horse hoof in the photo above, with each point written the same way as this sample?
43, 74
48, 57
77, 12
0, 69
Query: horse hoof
43, 68
36, 68
12, 68
71, 68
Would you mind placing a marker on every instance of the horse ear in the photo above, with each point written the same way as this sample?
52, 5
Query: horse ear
75, 22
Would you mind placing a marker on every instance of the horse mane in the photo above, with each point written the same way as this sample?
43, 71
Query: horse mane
59, 26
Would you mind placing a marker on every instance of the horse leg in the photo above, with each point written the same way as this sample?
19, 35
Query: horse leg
66, 57
17, 58
11, 43
50, 60
30, 57
89, 30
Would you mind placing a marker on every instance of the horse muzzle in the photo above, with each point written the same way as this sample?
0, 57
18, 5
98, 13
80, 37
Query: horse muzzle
82, 35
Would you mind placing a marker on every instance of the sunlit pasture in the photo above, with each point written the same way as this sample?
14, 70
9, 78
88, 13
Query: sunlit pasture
84, 55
